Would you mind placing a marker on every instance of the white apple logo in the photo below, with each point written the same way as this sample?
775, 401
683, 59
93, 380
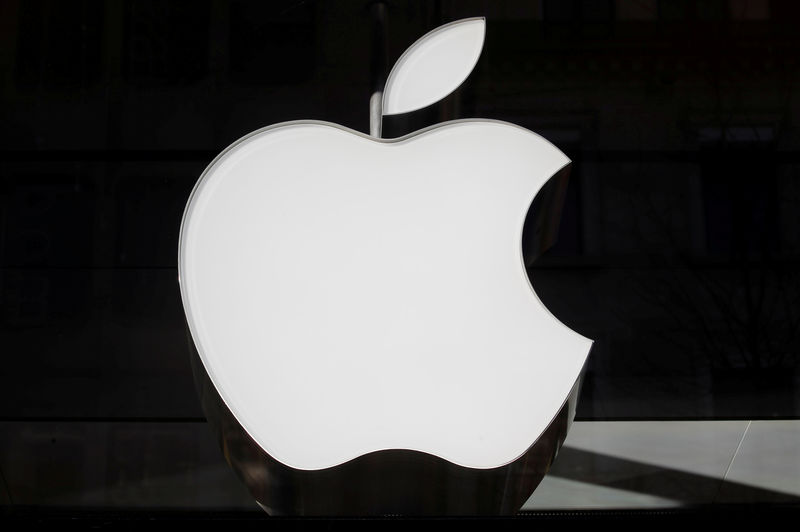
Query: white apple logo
349, 295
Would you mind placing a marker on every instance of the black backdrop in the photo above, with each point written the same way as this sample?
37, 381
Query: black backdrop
674, 244
676, 249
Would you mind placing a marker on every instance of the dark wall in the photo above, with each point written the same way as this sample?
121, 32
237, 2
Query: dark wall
676, 250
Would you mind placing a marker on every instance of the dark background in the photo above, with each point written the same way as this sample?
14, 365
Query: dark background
679, 237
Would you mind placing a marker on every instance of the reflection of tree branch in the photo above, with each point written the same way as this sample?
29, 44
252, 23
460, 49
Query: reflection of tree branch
645, 296
726, 311
748, 310
731, 320
679, 319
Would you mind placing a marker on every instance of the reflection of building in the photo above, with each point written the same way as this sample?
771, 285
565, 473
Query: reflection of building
677, 248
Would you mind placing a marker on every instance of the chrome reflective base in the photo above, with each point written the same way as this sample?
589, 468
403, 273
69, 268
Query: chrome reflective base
390, 482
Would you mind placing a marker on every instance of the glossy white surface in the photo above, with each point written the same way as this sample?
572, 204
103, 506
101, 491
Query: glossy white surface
348, 295
669, 464
696, 447
769, 458
434, 66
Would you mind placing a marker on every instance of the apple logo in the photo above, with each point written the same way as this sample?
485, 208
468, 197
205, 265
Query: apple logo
367, 339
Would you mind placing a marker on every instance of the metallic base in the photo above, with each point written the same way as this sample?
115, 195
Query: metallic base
390, 482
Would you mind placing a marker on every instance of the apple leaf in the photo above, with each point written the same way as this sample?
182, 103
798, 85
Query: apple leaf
434, 66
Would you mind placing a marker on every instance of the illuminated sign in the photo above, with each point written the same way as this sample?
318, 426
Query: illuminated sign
348, 294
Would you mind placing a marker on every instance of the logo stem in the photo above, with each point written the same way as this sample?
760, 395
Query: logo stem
378, 67
375, 114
